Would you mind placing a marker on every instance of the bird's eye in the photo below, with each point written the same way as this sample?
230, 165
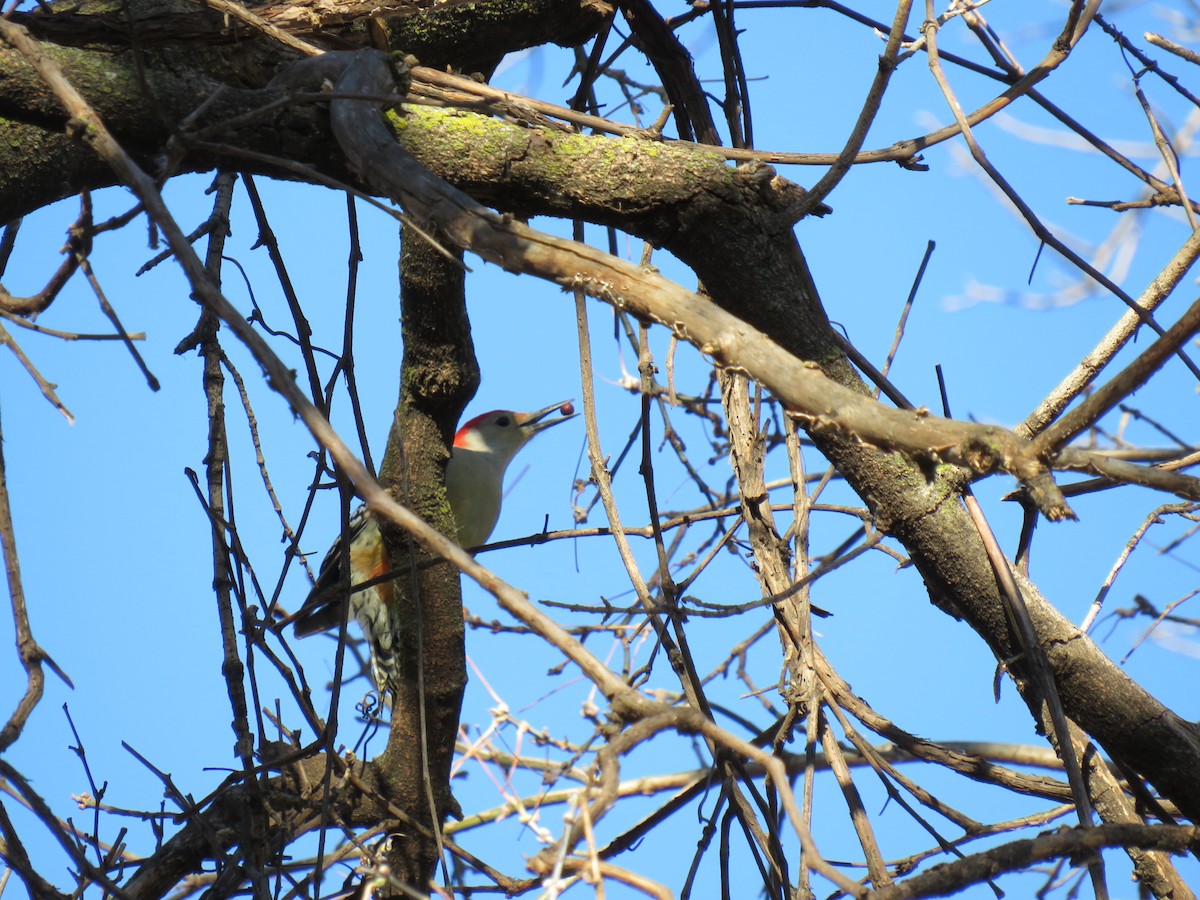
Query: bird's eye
504, 421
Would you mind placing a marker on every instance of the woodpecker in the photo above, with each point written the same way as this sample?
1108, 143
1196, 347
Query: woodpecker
483, 448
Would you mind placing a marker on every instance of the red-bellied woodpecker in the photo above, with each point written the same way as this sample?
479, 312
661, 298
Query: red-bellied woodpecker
483, 448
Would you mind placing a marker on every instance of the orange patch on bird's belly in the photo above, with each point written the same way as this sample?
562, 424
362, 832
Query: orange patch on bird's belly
366, 561
369, 563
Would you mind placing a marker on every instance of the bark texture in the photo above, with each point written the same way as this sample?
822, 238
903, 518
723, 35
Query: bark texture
439, 375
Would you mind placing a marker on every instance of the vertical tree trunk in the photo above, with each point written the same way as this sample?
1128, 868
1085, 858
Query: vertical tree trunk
438, 375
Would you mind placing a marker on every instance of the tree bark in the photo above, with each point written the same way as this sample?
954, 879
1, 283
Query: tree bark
438, 376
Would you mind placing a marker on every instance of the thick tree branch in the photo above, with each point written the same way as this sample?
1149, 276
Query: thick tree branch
805, 390
952, 877
923, 512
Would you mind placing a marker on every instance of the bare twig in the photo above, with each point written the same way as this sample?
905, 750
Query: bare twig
28, 650
1087, 370
39, 302
71, 335
44, 386
1122, 384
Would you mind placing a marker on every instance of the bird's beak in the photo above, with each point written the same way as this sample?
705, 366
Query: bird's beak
534, 422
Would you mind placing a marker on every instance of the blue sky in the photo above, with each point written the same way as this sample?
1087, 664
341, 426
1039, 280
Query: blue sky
115, 548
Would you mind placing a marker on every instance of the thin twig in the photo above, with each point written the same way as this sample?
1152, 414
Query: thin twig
44, 386
70, 335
